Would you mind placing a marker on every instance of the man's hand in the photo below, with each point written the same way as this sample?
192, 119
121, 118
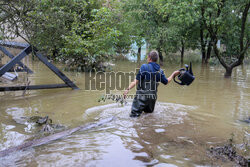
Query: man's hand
125, 93
132, 84
175, 73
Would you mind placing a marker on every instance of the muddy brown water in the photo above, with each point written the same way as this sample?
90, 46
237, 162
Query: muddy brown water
186, 121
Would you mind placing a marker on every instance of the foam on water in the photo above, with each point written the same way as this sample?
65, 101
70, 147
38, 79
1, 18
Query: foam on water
168, 112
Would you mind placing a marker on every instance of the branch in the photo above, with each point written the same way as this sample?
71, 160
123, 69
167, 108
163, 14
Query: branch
217, 54
220, 6
242, 34
3, 4
243, 24
241, 56
55, 136
209, 28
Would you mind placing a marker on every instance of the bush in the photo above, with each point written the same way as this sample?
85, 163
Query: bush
88, 45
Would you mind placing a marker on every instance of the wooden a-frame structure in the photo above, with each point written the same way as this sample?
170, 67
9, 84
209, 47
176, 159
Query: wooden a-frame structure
26, 50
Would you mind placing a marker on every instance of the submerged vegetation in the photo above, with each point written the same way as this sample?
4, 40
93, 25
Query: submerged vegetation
85, 33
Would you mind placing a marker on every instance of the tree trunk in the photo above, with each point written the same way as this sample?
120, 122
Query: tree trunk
160, 52
53, 137
243, 48
203, 44
160, 55
228, 72
161, 58
147, 47
209, 49
139, 55
182, 52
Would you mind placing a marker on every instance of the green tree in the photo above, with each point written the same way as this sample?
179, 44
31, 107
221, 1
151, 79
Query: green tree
181, 29
168, 26
81, 33
227, 21
13, 16
205, 39
88, 45
125, 25
135, 24
148, 24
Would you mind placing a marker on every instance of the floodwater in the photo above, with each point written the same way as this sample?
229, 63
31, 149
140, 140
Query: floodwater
185, 123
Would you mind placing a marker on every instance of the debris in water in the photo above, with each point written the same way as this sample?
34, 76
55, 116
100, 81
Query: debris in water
114, 97
44, 122
246, 120
53, 137
228, 152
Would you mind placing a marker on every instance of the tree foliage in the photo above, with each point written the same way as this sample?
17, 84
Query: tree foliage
227, 21
88, 44
81, 33
196, 24
84, 33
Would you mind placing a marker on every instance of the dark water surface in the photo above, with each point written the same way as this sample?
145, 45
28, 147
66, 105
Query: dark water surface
186, 121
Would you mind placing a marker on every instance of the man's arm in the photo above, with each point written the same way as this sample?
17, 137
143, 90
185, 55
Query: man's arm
165, 80
175, 73
132, 85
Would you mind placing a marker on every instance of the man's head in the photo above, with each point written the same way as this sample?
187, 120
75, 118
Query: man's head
153, 56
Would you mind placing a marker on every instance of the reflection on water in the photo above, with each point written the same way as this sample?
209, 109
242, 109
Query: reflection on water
186, 121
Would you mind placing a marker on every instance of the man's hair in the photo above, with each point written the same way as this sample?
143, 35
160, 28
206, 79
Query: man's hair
153, 55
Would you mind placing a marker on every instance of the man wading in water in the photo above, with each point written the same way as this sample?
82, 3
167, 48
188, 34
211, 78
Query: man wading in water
147, 79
